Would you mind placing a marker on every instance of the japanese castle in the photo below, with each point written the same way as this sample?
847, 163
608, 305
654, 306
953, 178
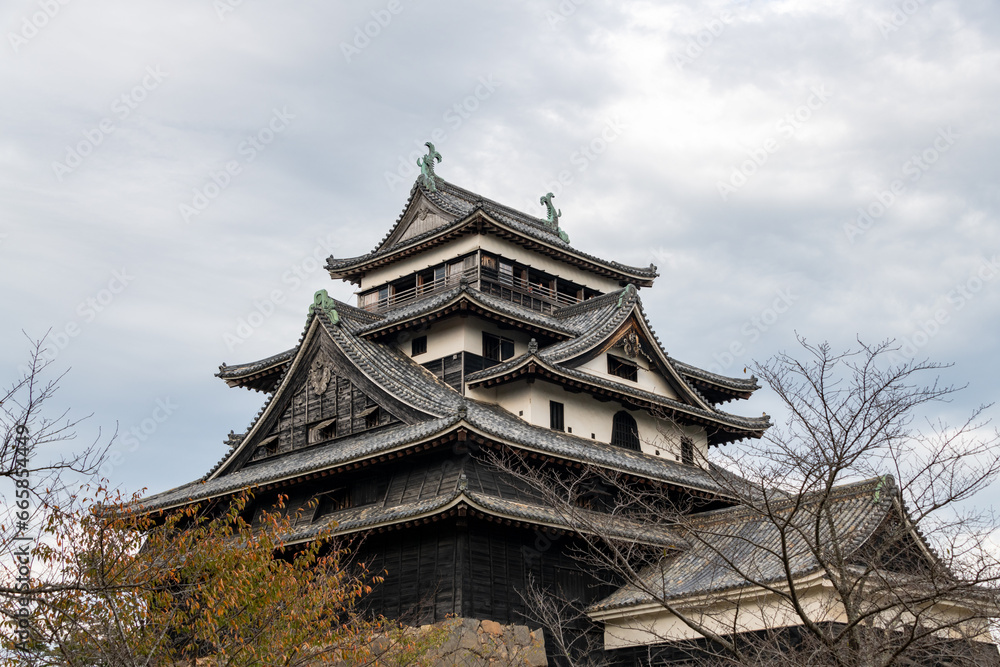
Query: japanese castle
481, 331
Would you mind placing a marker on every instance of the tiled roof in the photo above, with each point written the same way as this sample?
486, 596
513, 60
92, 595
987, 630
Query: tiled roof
362, 518
755, 424
236, 371
751, 542
736, 384
501, 425
462, 203
300, 462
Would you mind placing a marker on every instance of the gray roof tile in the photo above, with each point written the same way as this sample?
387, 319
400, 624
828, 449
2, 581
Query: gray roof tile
750, 542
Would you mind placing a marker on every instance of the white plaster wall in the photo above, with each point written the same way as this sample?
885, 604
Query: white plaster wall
649, 378
456, 334
466, 244
758, 612
423, 260
538, 261
585, 415
720, 615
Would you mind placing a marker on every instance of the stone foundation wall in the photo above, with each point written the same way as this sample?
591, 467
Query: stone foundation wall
468, 642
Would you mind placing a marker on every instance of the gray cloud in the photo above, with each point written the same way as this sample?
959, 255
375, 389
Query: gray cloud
687, 118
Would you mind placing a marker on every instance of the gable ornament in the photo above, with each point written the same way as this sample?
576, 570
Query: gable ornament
630, 344
319, 376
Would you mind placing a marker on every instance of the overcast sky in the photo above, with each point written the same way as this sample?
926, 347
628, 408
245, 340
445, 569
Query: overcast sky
168, 169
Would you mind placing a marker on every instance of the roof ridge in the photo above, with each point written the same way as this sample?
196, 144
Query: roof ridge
475, 196
587, 305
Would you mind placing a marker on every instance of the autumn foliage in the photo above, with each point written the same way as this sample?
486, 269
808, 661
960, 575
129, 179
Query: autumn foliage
201, 585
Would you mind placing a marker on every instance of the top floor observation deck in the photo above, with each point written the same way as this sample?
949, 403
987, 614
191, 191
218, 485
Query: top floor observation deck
488, 272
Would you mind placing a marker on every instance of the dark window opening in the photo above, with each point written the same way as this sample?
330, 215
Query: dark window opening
556, 416
324, 430
625, 432
268, 447
372, 417
335, 501
497, 348
622, 368
687, 452
368, 492
418, 346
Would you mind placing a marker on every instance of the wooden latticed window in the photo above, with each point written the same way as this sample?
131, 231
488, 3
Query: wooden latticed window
267, 447
322, 431
687, 451
557, 420
497, 348
623, 368
624, 431
373, 416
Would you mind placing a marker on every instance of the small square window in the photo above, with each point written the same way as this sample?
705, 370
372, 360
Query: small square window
556, 419
623, 368
418, 346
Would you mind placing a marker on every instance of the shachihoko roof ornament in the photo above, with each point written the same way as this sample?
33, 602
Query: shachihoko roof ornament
426, 164
322, 302
552, 215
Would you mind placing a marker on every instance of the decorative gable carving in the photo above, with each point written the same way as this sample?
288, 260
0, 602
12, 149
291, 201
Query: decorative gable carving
631, 344
420, 217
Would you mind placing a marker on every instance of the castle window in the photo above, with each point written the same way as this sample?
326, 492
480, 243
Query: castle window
418, 346
334, 501
557, 421
622, 368
372, 415
268, 447
322, 431
687, 451
497, 348
506, 273
624, 431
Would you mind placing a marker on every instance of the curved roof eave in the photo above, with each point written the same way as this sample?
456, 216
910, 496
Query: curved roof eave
351, 268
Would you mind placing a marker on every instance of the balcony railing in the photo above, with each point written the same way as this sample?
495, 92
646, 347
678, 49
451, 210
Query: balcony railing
506, 286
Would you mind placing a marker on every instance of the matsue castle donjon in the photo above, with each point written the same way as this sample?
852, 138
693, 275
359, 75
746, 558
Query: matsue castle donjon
480, 330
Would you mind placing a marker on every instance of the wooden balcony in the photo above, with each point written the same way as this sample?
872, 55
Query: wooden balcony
505, 286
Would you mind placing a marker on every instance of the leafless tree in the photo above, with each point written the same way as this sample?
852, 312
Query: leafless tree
34, 476
846, 536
